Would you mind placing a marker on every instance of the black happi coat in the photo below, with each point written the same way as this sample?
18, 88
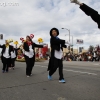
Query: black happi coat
56, 44
4, 48
26, 47
91, 12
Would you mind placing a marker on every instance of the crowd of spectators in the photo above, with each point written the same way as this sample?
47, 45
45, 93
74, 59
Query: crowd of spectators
88, 56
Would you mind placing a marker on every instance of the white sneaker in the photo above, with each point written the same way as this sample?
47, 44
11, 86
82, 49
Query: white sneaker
31, 74
28, 76
62, 81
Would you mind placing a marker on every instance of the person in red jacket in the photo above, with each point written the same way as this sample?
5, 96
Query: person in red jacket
88, 11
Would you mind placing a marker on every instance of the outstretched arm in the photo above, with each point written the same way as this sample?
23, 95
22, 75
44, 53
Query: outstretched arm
37, 45
88, 11
64, 46
1, 46
91, 12
55, 41
16, 48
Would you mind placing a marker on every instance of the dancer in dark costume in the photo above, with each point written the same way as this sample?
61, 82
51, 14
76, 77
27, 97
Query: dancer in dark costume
88, 11
29, 54
6, 55
56, 60
14, 56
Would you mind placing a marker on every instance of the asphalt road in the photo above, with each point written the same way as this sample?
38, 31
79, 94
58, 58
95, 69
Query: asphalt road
82, 82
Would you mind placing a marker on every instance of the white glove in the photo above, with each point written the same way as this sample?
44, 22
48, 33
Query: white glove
66, 42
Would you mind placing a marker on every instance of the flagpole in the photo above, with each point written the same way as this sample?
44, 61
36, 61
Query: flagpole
69, 36
77, 48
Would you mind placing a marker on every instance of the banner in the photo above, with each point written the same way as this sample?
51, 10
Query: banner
79, 41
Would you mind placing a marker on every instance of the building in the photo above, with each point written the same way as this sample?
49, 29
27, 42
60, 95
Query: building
65, 50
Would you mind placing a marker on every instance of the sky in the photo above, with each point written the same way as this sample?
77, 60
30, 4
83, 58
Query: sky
19, 18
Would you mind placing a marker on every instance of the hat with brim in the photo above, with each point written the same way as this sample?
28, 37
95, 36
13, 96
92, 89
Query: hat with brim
55, 30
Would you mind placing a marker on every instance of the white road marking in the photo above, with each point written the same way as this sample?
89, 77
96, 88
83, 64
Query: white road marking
96, 64
80, 72
73, 71
37, 65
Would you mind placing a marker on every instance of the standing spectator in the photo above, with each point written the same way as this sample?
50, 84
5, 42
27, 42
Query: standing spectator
94, 56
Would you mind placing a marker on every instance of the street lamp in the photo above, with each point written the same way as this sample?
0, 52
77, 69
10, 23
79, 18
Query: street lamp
69, 36
68, 31
72, 41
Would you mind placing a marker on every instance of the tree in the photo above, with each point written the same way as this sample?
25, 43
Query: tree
98, 48
91, 48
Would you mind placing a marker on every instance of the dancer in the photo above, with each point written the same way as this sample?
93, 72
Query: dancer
16, 49
14, 56
88, 11
6, 55
29, 54
94, 56
56, 60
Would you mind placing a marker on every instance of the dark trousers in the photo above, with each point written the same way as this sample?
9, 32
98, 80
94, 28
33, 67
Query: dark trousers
58, 63
13, 62
5, 63
94, 58
92, 13
29, 65
9, 62
2, 59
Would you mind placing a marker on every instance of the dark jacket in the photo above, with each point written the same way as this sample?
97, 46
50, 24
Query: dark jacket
16, 51
92, 13
56, 44
3, 50
26, 47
